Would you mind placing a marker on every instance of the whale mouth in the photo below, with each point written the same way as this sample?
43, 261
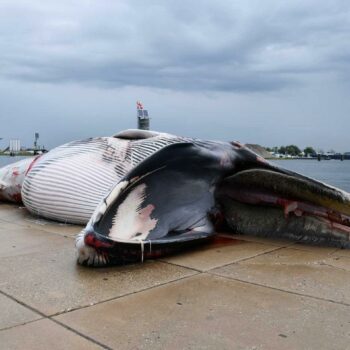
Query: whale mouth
124, 252
276, 202
264, 202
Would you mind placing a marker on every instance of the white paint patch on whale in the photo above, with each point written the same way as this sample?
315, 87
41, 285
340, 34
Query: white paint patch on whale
132, 222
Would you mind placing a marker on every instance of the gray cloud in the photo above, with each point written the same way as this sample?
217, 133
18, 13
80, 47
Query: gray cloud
270, 72
203, 45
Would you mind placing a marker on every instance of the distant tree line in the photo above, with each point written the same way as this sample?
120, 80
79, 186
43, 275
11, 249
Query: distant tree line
292, 150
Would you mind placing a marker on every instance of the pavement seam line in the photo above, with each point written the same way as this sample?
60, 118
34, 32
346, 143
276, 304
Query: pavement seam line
124, 295
278, 289
219, 266
21, 324
23, 304
53, 320
245, 259
179, 265
73, 330
195, 273
295, 247
334, 267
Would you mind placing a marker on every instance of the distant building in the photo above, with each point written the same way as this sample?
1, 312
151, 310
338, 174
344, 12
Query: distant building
36, 138
15, 146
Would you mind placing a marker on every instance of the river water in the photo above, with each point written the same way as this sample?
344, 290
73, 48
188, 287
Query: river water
4, 160
333, 172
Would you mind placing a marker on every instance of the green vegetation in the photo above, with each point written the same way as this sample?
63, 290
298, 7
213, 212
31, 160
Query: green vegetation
309, 151
292, 150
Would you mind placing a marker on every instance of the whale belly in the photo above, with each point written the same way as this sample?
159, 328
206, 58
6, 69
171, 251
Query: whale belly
67, 183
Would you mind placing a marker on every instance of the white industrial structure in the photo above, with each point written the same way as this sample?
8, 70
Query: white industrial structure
15, 146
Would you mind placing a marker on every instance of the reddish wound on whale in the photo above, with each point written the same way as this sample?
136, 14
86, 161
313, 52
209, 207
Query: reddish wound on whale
17, 197
32, 163
92, 241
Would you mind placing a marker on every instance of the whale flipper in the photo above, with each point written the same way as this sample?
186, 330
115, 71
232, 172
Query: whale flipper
167, 197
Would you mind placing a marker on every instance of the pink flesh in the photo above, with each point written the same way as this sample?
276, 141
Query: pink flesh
12, 177
32, 163
335, 219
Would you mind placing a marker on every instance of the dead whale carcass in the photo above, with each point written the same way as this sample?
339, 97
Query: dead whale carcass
169, 201
150, 193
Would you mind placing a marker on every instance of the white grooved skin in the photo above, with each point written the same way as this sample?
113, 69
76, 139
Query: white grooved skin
69, 182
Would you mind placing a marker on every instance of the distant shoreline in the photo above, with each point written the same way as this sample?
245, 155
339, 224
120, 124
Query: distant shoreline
26, 154
301, 158
295, 158
17, 155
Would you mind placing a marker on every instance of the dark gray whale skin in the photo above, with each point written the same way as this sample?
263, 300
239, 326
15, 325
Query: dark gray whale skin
173, 199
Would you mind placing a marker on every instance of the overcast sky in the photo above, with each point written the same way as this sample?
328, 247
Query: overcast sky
267, 72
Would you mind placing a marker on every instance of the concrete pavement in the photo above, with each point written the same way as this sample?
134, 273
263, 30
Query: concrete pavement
237, 292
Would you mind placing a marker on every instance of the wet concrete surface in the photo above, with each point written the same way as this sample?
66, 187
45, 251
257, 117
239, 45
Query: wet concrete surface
237, 292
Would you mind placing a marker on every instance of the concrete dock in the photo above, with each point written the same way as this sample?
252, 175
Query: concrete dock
237, 292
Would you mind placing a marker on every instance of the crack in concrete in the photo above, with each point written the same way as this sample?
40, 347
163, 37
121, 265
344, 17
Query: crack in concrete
124, 295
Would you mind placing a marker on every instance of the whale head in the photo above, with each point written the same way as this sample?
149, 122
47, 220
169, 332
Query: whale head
171, 200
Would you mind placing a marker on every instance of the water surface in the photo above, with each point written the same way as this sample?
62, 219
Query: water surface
4, 160
333, 172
